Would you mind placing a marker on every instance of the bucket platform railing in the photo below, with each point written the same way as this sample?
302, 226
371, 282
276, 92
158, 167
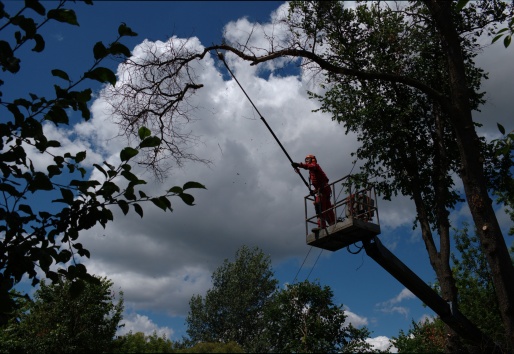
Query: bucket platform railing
356, 212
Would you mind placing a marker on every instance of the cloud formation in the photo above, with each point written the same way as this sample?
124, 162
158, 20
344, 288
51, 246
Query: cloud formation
139, 323
253, 196
391, 305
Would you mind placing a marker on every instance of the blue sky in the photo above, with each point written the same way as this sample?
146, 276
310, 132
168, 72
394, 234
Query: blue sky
253, 197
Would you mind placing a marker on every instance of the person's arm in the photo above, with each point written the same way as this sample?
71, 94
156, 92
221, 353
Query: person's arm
309, 166
299, 164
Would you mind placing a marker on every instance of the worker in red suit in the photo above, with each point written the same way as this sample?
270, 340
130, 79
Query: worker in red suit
322, 191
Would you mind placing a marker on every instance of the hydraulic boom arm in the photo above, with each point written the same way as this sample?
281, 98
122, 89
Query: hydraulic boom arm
446, 311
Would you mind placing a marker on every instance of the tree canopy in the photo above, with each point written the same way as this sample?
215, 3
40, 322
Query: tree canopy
475, 284
140, 343
37, 236
60, 320
232, 309
303, 318
244, 306
423, 337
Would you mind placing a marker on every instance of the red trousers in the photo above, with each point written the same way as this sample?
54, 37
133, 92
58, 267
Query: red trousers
322, 204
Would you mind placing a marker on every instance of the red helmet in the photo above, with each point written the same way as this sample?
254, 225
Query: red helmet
310, 158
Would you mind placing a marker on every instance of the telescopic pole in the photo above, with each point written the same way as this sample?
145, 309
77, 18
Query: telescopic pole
220, 56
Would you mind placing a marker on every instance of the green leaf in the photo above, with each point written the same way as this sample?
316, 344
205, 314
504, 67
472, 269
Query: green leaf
124, 206
100, 168
58, 159
128, 153
80, 156
192, 184
64, 256
132, 178
187, 198
53, 170
57, 115
138, 209
144, 132
84, 185
55, 144
118, 48
80, 96
84, 253
17, 36
506, 41
124, 30
40, 43
18, 116
151, 141
7, 59
26, 24
67, 195
5, 49
33, 129
26, 209
107, 214
44, 214
109, 188
102, 75
36, 6
111, 167
63, 15
40, 182
160, 203
22, 102
73, 234
45, 261
78, 246
176, 190
4, 187
61, 93
461, 4
497, 37
501, 128
60, 73
84, 109
99, 51
165, 201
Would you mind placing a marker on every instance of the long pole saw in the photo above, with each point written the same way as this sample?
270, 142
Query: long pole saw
220, 56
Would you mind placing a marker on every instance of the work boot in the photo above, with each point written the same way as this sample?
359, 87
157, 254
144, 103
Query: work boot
316, 230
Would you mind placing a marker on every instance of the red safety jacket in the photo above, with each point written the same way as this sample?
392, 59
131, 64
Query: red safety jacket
318, 178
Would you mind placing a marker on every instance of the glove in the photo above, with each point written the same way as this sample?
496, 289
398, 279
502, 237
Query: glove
295, 164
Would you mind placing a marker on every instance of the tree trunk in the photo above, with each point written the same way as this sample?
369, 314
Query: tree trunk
472, 172
439, 261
